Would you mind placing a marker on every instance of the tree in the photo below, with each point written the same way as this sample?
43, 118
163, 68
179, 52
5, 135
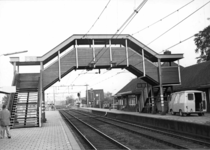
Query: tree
108, 95
69, 100
5, 99
202, 41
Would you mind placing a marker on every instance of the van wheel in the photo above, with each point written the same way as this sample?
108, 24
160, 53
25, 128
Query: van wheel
199, 114
180, 112
172, 112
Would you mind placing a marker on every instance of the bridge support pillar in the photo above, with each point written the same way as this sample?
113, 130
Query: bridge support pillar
41, 97
43, 108
153, 102
161, 88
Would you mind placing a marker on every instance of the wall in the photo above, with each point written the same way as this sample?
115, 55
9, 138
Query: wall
188, 128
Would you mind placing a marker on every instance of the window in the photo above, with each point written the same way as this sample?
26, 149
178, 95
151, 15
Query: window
120, 102
176, 98
132, 100
172, 97
190, 96
204, 96
182, 97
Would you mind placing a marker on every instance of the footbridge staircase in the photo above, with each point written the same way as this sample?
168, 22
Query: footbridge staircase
89, 52
24, 103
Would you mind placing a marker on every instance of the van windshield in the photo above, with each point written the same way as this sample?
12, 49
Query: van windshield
190, 96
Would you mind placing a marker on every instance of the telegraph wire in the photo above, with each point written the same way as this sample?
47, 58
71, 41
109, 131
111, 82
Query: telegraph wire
178, 23
97, 18
180, 42
162, 18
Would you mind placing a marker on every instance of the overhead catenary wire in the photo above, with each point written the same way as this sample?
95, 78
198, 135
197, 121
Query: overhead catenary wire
162, 18
115, 75
106, 78
93, 26
97, 18
141, 61
178, 23
125, 23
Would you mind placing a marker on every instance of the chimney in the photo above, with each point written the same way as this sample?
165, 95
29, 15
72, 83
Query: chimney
167, 52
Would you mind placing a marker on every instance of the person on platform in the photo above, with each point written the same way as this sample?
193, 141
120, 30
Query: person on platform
1, 129
5, 121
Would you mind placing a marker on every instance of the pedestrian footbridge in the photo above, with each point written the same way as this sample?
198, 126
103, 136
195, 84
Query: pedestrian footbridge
85, 52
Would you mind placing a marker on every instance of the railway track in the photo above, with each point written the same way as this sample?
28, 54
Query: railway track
94, 138
173, 140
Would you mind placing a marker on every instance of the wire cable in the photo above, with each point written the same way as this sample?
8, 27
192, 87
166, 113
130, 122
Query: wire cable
162, 18
178, 23
97, 19
126, 22
180, 42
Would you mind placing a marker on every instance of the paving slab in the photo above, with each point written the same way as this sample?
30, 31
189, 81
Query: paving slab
53, 135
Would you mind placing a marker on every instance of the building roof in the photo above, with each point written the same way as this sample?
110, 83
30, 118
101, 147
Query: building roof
131, 87
195, 77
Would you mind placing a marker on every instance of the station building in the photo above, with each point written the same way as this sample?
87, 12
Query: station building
132, 96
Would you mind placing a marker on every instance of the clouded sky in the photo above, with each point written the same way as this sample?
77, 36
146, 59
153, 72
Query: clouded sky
40, 25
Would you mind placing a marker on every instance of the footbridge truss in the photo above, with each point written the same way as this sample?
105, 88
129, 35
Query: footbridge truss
88, 52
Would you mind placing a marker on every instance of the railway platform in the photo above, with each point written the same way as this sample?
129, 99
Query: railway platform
53, 135
193, 118
192, 125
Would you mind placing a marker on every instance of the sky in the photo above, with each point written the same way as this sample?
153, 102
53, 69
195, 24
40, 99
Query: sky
40, 25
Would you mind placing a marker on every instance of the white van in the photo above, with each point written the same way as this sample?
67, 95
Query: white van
188, 102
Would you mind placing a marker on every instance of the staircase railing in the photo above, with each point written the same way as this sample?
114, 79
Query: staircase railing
12, 95
39, 115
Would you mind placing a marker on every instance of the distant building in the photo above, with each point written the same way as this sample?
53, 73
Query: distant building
95, 98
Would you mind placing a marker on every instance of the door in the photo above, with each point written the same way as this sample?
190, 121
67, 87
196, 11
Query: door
175, 104
198, 102
190, 102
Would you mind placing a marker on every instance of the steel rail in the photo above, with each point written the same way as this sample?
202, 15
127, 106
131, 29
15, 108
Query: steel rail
116, 143
154, 130
78, 131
